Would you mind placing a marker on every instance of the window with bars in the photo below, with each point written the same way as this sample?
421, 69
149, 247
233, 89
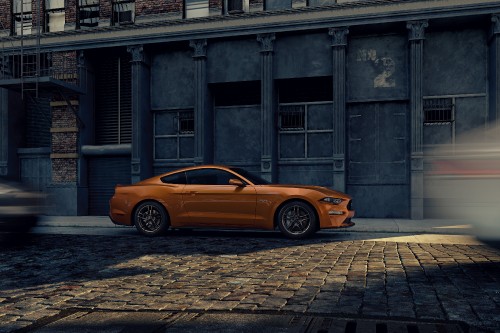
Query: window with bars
186, 122
55, 14
305, 131
22, 18
438, 111
88, 13
292, 117
123, 12
174, 135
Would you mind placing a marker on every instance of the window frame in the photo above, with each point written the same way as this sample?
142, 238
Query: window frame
117, 9
21, 16
178, 135
93, 6
49, 10
304, 131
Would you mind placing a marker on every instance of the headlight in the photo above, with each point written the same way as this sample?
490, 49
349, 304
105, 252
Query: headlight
334, 201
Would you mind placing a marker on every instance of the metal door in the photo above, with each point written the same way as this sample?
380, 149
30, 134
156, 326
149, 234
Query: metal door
378, 167
104, 174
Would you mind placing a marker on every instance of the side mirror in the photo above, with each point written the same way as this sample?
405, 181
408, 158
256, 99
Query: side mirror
236, 182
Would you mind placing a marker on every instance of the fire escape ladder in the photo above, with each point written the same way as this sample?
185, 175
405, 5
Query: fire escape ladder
29, 61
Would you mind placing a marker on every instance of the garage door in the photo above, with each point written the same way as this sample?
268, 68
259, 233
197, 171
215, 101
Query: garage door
104, 174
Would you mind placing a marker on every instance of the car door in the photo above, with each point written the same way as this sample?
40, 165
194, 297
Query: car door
210, 200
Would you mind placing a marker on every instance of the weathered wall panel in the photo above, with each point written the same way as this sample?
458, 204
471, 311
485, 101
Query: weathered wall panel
303, 56
470, 113
232, 61
172, 80
455, 62
377, 68
313, 174
237, 134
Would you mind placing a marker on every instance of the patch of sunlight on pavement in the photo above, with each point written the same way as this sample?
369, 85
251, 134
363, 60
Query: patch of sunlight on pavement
462, 226
428, 238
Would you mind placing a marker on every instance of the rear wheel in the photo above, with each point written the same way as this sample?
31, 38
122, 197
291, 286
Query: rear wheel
151, 219
297, 220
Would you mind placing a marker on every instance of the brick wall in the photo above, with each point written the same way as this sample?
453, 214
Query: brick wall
36, 6
70, 15
64, 142
148, 7
215, 6
105, 9
5, 10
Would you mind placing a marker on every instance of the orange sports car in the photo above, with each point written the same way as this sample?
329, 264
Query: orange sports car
226, 197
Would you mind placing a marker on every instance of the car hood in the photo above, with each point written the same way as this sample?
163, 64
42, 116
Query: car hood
326, 191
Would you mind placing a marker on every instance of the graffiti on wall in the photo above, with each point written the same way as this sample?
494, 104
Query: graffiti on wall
384, 66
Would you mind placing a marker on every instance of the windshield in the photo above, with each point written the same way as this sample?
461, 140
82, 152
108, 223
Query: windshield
256, 180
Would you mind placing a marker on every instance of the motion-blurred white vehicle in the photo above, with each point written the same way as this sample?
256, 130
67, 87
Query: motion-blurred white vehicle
19, 207
465, 178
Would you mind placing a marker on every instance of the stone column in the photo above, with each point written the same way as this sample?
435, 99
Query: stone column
269, 147
203, 122
494, 71
4, 132
142, 123
416, 41
339, 45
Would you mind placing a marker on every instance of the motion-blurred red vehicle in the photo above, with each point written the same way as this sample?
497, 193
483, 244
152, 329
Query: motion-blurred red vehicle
465, 179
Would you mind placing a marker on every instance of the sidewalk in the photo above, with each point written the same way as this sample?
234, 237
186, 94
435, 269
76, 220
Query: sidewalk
429, 226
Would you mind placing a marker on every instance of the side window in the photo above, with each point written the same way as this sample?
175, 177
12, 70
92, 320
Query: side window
176, 178
209, 177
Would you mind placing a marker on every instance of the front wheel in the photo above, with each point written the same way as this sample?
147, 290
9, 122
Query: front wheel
297, 220
151, 219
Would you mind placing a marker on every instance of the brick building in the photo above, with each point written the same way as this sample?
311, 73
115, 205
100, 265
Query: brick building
339, 93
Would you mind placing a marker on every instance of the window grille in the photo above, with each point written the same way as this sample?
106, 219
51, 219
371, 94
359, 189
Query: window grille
174, 135
123, 12
88, 13
438, 111
186, 122
292, 117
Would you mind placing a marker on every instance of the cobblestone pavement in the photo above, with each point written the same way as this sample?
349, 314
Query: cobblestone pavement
247, 272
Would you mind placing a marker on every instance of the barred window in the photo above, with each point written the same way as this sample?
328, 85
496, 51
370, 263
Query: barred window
186, 122
305, 130
292, 117
88, 13
174, 135
438, 111
123, 12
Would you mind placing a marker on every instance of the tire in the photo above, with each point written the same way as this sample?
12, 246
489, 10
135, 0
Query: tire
151, 219
297, 220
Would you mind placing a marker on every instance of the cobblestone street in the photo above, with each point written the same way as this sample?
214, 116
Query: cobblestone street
46, 275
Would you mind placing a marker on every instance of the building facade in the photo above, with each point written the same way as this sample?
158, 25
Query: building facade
344, 94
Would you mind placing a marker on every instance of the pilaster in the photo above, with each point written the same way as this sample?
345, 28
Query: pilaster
494, 71
142, 123
203, 122
416, 38
268, 108
339, 45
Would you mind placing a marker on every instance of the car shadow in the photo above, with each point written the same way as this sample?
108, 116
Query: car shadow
31, 260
